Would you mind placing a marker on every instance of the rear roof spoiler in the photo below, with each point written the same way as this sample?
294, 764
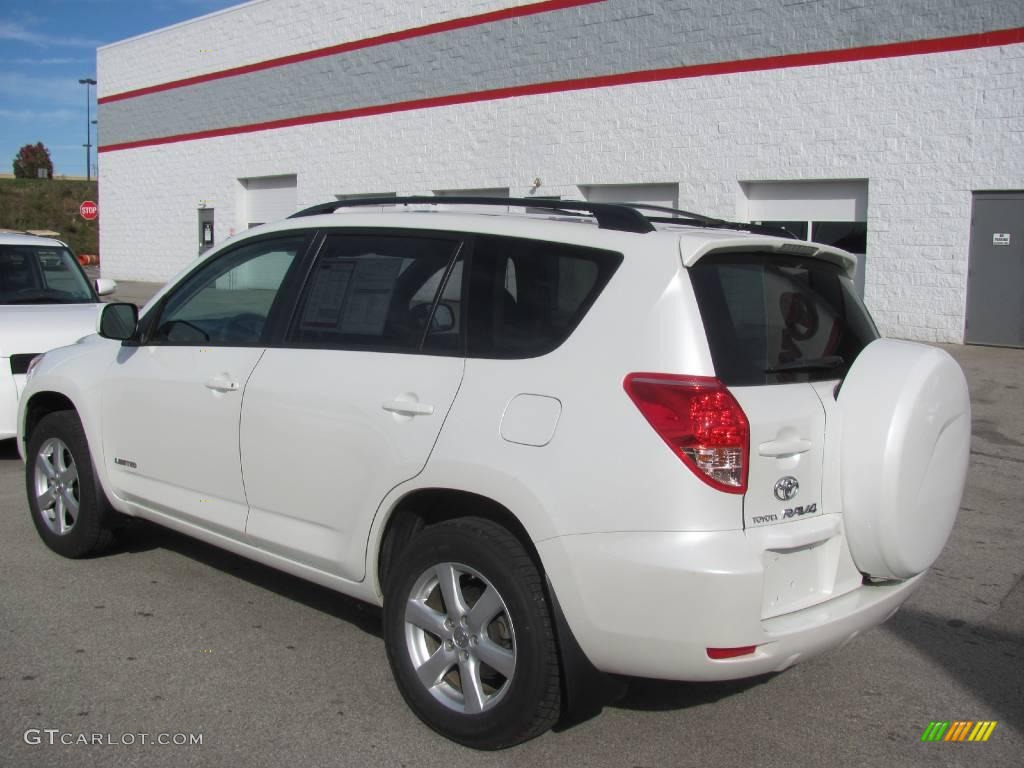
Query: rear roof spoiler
843, 259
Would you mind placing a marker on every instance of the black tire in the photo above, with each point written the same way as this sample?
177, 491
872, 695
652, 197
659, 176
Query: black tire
483, 555
70, 532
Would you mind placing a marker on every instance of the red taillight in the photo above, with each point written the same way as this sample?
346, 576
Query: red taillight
700, 421
731, 653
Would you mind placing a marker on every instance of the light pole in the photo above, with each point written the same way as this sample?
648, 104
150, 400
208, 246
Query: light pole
96, 129
87, 81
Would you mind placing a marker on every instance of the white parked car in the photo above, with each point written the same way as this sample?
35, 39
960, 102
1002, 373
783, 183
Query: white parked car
551, 444
46, 301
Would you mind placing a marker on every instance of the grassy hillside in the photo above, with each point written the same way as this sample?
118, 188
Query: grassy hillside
50, 204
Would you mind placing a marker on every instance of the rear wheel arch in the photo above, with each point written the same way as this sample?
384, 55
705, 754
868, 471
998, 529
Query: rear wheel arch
585, 689
429, 506
488, 676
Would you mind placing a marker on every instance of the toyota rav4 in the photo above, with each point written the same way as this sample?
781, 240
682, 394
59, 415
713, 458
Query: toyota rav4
573, 440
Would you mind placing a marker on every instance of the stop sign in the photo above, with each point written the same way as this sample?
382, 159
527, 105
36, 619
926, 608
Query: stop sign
88, 210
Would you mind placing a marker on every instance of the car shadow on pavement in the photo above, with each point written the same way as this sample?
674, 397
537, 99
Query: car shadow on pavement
662, 695
141, 536
9, 450
640, 694
647, 695
988, 661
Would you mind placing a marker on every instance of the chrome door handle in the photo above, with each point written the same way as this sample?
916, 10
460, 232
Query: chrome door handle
786, 447
408, 407
222, 385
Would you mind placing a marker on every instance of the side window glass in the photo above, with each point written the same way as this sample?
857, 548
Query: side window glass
445, 327
227, 302
527, 296
382, 292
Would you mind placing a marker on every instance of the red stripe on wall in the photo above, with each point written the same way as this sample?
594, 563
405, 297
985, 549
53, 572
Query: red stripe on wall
889, 50
369, 42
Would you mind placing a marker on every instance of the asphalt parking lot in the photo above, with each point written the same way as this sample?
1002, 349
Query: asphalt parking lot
169, 636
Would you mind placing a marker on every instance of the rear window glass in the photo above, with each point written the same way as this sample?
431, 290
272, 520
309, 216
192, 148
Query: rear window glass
527, 296
778, 320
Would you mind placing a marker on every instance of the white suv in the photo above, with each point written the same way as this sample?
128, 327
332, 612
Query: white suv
46, 301
554, 444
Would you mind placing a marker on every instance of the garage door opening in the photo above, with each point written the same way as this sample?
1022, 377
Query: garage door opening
828, 212
666, 195
268, 198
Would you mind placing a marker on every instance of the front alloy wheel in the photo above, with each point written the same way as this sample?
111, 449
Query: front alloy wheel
69, 510
57, 490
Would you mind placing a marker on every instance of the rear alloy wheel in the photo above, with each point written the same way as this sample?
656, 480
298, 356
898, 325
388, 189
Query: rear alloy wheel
69, 512
469, 635
460, 638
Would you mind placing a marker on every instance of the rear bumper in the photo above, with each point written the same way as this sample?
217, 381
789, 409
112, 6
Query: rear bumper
651, 604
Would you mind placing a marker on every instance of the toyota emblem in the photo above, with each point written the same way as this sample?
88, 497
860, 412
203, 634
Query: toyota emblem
786, 488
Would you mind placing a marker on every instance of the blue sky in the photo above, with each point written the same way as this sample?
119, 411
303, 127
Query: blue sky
46, 46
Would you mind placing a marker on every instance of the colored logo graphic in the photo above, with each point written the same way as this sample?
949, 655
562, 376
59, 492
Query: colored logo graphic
959, 730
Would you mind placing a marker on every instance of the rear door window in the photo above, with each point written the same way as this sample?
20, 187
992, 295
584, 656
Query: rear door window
527, 296
383, 292
776, 319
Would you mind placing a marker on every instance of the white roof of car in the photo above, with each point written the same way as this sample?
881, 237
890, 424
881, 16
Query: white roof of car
8, 237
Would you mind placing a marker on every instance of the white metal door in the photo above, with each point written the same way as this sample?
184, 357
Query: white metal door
171, 407
170, 431
325, 435
354, 404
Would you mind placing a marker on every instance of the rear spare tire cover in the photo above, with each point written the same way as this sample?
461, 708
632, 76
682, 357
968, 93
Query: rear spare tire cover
906, 435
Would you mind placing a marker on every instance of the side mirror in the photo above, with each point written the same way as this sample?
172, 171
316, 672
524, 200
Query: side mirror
105, 287
444, 319
118, 321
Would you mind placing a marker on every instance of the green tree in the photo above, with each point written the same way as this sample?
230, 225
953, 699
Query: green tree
30, 159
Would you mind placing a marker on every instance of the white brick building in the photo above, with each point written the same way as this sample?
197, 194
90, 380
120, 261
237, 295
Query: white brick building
839, 117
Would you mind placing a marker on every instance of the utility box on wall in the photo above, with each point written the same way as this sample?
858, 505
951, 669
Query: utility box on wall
205, 229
